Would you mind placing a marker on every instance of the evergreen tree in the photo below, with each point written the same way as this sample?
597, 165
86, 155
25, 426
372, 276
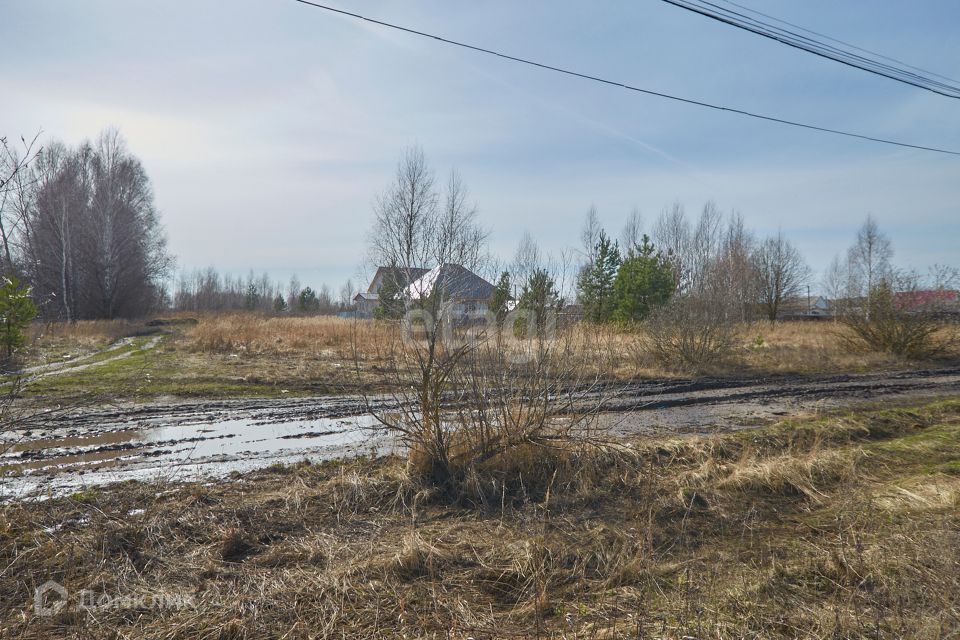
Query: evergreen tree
644, 281
16, 312
500, 298
390, 302
252, 300
307, 302
540, 297
279, 304
595, 284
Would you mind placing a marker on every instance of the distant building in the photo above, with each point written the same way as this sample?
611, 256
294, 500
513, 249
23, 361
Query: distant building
926, 299
468, 293
806, 308
366, 302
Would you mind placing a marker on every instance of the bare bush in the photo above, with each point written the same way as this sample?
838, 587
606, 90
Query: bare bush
470, 399
896, 318
482, 412
691, 332
888, 311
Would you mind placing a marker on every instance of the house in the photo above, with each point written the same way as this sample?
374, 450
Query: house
926, 300
805, 308
366, 302
938, 303
468, 293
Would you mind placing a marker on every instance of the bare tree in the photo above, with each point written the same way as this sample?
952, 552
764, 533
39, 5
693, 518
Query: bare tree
54, 223
293, 291
405, 215
869, 258
14, 183
632, 232
899, 318
410, 229
836, 279
589, 234
526, 260
465, 390
125, 255
671, 232
781, 272
90, 240
735, 269
456, 236
943, 277
346, 294
704, 248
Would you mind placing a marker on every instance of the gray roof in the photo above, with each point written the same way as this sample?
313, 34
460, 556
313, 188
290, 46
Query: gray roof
399, 275
456, 282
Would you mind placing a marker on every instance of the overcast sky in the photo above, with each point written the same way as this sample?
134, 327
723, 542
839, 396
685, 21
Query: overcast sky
268, 127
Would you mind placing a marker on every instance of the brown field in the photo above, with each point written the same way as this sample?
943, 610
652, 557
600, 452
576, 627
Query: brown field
247, 354
784, 347
840, 527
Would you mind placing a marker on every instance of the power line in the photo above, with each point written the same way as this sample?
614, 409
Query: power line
846, 44
819, 48
622, 85
811, 45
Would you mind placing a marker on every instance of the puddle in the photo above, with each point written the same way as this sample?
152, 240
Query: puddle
188, 450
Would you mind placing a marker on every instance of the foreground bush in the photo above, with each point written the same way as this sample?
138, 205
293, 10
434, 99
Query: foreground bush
899, 324
691, 332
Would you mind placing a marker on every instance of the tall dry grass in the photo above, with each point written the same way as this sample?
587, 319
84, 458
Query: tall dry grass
760, 347
55, 341
313, 335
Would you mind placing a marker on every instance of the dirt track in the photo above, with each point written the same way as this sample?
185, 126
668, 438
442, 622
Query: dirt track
212, 438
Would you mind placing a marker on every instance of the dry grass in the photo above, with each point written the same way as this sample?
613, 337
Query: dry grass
52, 341
252, 334
801, 347
843, 527
244, 354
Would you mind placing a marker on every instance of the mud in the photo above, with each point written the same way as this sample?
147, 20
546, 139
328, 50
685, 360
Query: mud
178, 440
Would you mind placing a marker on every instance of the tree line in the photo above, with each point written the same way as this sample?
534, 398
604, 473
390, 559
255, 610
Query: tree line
207, 290
711, 257
80, 228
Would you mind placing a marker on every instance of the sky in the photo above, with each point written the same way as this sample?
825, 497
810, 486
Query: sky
268, 127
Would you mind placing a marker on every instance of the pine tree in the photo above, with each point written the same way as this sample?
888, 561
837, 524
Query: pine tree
307, 302
499, 300
595, 284
279, 304
16, 312
252, 300
390, 302
644, 281
540, 297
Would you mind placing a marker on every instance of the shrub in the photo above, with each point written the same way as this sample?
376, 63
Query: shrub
902, 324
691, 331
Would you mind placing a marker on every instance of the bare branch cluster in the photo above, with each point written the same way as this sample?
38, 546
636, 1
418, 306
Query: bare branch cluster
81, 227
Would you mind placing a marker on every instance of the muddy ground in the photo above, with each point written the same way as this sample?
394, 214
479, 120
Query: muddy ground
189, 440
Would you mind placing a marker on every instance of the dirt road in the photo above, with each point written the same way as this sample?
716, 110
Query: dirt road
196, 439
